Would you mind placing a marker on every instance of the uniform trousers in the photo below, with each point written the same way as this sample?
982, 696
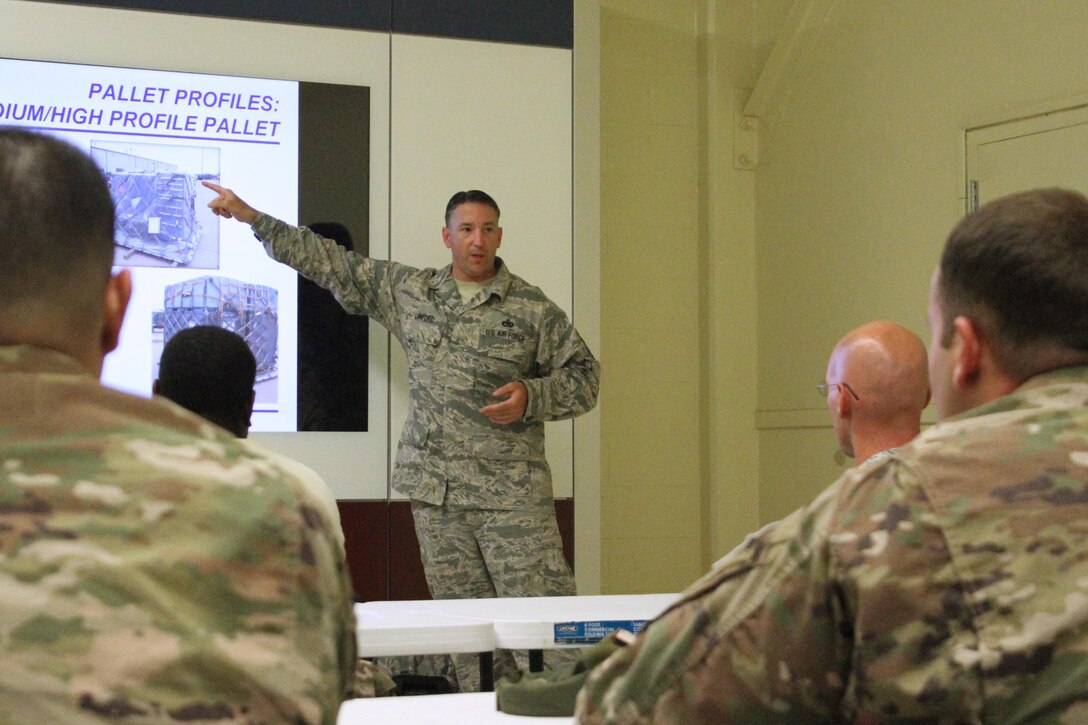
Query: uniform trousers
473, 553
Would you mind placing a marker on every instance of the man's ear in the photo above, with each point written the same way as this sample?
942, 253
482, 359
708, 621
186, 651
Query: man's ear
118, 294
446, 238
843, 404
249, 411
155, 387
967, 351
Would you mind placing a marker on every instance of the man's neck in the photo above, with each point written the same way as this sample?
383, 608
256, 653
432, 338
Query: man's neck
63, 341
869, 444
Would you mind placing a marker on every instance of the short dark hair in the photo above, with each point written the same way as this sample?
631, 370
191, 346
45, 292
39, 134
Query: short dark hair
210, 371
472, 196
1018, 266
56, 225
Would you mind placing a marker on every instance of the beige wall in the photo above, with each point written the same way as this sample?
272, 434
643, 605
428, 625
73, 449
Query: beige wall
650, 336
679, 464
724, 288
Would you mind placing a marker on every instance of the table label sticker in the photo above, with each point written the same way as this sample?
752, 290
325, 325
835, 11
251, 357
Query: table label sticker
591, 632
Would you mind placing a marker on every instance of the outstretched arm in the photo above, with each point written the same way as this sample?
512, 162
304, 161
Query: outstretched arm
228, 205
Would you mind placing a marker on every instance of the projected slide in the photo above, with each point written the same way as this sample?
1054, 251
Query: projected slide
157, 135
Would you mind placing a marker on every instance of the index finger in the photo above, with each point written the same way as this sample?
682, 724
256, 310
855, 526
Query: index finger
214, 187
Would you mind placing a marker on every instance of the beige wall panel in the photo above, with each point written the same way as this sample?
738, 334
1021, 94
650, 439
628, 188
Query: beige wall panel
657, 277
652, 484
738, 39
656, 442
587, 288
648, 177
646, 566
648, 36
651, 512
786, 485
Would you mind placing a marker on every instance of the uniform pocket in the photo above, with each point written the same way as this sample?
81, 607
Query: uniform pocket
421, 345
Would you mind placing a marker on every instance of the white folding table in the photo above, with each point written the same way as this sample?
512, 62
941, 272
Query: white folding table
534, 623
394, 631
475, 708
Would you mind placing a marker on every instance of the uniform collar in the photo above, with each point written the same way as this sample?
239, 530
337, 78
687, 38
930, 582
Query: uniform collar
1023, 395
499, 284
31, 359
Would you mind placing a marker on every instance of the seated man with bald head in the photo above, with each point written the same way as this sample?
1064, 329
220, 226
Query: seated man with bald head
876, 387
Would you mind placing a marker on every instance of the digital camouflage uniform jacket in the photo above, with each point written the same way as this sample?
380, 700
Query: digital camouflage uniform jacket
151, 569
948, 584
458, 355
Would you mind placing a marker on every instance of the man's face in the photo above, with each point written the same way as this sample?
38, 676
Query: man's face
473, 235
946, 397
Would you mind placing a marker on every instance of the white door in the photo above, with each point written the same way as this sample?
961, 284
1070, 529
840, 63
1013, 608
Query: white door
1049, 149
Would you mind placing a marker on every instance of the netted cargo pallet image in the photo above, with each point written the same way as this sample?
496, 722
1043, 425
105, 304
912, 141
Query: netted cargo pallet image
156, 213
247, 309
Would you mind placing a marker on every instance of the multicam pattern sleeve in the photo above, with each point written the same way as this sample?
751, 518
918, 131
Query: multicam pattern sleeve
791, 626
154, 571
720, 655
948, 584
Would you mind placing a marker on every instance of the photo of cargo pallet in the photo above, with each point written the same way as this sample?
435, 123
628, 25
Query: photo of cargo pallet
157, 198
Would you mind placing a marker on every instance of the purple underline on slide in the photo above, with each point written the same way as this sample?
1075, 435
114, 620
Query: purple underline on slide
266, 410
158, 135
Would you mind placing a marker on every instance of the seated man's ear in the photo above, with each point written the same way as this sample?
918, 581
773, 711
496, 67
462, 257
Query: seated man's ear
968, 351
843, 404
118, 294
155, 387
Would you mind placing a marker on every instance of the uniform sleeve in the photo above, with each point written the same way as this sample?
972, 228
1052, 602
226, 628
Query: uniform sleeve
333, 629
757, 639
325, 577
362, 286
848, 610
569, 375
911, 618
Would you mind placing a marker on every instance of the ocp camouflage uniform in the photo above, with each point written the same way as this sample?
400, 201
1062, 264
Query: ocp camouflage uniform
151, 569
481, 493
948, 583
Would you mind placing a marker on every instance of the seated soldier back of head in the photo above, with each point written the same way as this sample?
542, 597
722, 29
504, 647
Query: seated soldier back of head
210, 371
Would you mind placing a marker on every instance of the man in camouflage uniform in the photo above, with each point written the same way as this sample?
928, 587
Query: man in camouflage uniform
948, 583
151, 570
490, 358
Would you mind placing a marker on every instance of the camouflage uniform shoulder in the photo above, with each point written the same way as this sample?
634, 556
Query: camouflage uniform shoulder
165, 572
